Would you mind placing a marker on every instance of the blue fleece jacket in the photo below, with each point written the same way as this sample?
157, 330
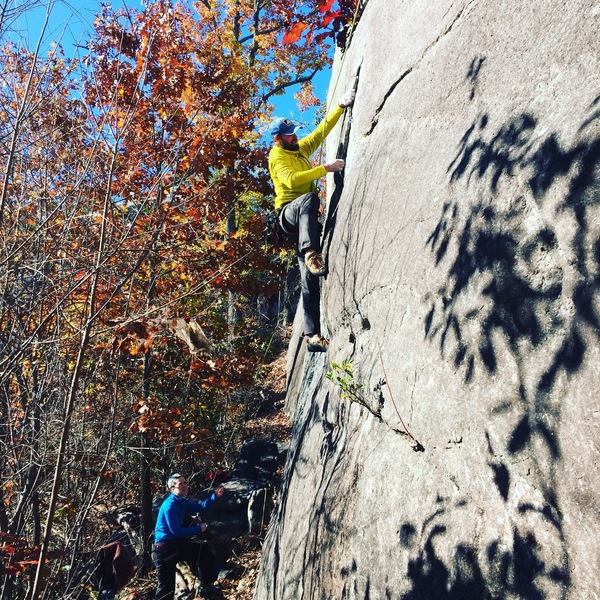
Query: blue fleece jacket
171, 514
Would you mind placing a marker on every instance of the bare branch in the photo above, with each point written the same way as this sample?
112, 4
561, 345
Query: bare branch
287, 84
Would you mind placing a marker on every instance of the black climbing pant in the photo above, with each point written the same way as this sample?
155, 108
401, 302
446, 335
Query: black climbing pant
166, 555
300, 220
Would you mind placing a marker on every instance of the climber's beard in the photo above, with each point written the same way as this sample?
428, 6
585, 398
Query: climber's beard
290, 144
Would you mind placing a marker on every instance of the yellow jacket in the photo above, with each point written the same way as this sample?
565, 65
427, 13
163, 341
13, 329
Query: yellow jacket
291, 171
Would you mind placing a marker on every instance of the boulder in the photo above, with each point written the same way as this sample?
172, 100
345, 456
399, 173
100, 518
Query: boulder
247, 499
463, 247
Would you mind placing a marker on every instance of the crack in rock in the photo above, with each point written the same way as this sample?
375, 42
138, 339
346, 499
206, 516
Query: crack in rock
415, 66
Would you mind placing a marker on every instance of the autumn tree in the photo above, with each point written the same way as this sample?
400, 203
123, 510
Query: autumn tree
132, 205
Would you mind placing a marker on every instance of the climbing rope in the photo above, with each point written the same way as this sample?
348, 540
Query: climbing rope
416, 446
346, 46
359, 4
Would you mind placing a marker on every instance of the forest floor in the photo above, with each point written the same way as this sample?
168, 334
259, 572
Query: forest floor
244, 553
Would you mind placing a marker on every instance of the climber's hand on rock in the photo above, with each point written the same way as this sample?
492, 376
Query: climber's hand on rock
335, 165
347, 99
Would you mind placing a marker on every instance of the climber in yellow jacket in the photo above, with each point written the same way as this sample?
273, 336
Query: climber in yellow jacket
297, 205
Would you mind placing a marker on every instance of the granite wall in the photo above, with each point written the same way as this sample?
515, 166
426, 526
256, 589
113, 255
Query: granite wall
463, 246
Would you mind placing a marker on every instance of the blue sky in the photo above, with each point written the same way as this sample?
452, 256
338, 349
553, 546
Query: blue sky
71, 20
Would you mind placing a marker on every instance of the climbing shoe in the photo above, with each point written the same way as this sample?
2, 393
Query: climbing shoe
208, 591
314, 262
317, 343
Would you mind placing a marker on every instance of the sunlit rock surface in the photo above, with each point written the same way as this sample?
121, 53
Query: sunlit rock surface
463, 247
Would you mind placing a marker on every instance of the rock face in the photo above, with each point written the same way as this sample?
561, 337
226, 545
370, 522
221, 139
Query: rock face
463, 244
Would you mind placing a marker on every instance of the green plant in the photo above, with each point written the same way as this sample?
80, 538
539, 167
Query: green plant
342, 375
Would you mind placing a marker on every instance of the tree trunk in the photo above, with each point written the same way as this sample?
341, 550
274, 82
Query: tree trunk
146, 525
232, 313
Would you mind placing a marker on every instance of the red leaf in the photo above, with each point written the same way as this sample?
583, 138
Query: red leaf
294, 33
330, 17
327, 6
323, 36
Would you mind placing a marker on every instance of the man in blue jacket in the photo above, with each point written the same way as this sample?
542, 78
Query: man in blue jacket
173, 543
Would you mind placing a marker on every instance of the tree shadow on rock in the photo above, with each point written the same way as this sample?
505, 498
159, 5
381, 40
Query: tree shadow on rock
522, 265
508, 276
500, 257
303, 553
500, 571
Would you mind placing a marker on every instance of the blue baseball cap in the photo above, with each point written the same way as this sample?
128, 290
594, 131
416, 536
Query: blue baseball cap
281, 126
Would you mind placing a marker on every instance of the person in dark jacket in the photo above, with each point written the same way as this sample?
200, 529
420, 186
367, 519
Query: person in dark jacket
173, 541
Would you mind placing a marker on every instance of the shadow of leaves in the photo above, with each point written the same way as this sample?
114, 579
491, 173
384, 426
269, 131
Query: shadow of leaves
503, 570
522, 291
503, 264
